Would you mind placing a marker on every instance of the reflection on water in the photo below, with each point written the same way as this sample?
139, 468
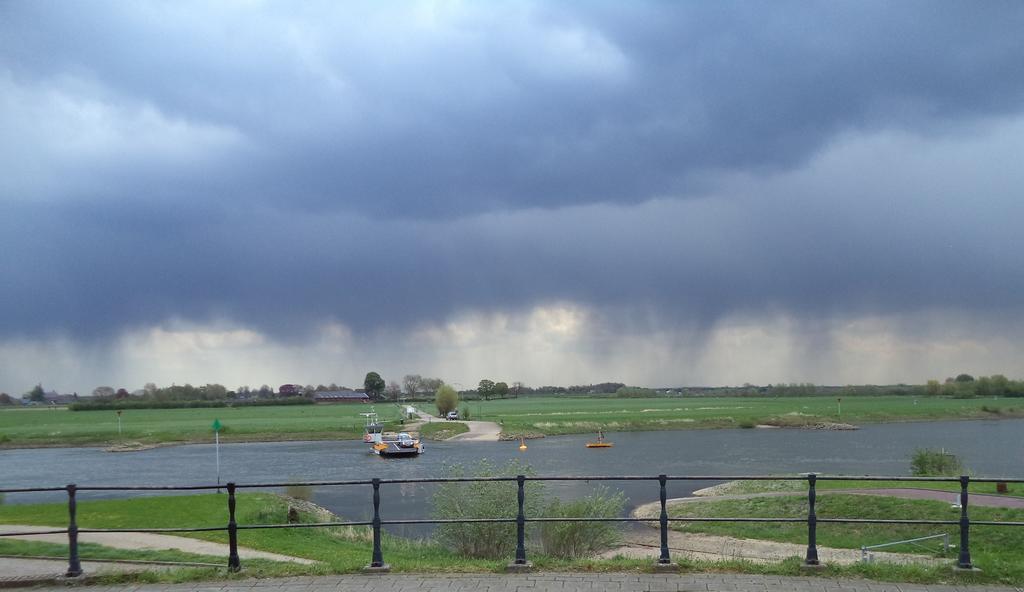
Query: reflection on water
992, 448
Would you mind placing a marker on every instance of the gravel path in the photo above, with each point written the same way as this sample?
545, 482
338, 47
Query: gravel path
479, 431
143, 540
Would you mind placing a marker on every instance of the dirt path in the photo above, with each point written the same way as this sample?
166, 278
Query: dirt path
643, 545
143, 540
479, 431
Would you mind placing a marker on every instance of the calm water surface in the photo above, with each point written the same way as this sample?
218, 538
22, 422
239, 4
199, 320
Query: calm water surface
989, 448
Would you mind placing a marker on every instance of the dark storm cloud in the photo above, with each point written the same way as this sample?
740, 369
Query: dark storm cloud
383, 165
394, 112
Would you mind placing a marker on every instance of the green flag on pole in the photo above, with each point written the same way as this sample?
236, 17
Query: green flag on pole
216, 425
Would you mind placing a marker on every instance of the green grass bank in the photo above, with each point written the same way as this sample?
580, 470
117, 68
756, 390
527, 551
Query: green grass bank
530, 416
347, 550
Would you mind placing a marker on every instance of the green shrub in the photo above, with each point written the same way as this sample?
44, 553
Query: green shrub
4, 438
464, 413
571, 540
484, 499
935, 463
634, 392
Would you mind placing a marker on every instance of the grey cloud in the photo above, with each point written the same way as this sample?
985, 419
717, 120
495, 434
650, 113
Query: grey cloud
387, 113
819, 244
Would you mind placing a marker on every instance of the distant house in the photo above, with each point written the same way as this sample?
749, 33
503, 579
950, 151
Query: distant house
290, 390
55, 398
340, 397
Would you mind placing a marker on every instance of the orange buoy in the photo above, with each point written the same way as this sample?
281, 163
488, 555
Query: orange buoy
522, 443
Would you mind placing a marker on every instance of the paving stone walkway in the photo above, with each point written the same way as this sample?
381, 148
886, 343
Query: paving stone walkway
562, 582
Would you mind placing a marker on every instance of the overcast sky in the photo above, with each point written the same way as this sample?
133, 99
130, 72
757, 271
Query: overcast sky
657, 193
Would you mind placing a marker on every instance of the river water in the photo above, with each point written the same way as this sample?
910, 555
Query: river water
988, 448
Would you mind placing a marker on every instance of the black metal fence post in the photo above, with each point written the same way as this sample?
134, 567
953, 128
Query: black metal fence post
812, 522
521, 522
964, 561
74, 565
234, 564
377, 561
664, 559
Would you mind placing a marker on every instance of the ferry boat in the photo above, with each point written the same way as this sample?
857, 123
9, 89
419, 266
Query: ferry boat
383, 444
600, 442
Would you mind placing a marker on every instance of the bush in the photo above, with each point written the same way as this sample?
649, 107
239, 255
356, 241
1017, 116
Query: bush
571, 540
935, 463
4, 438
464, 413
634, 392
446, 399
484, 499
498, 499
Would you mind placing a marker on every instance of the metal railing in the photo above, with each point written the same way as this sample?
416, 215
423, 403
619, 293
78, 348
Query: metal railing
866, 555
377, 559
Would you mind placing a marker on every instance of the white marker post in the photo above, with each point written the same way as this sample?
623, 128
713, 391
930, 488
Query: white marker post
118, 422
839, 405
216, 442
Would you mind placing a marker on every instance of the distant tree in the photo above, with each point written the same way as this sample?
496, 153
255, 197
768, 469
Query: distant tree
412, 383
216, 391
37, 394
983, 386
6, 399
964, 378
932, 388
517, 387
121, 394
431, 385
103, 392
500, 389
485, 389
393, 391
374, 385
150, 389
1000, 385
446, 398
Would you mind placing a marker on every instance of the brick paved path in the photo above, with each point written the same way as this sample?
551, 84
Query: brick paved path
544, 581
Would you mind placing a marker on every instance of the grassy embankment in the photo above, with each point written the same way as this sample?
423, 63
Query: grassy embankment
562, 415
442, 430
345, 550
995, 549
339, 549
748, 487
525, 416
60, 427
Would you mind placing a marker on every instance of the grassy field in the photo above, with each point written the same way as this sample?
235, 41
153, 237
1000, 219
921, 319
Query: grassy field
995, 549
746, 487
346, 550
525, 416
60, 427
554, 415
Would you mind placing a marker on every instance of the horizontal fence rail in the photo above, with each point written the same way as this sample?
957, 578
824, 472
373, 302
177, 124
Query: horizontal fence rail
376, 523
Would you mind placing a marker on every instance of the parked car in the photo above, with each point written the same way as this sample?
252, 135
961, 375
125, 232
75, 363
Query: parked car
452, 415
